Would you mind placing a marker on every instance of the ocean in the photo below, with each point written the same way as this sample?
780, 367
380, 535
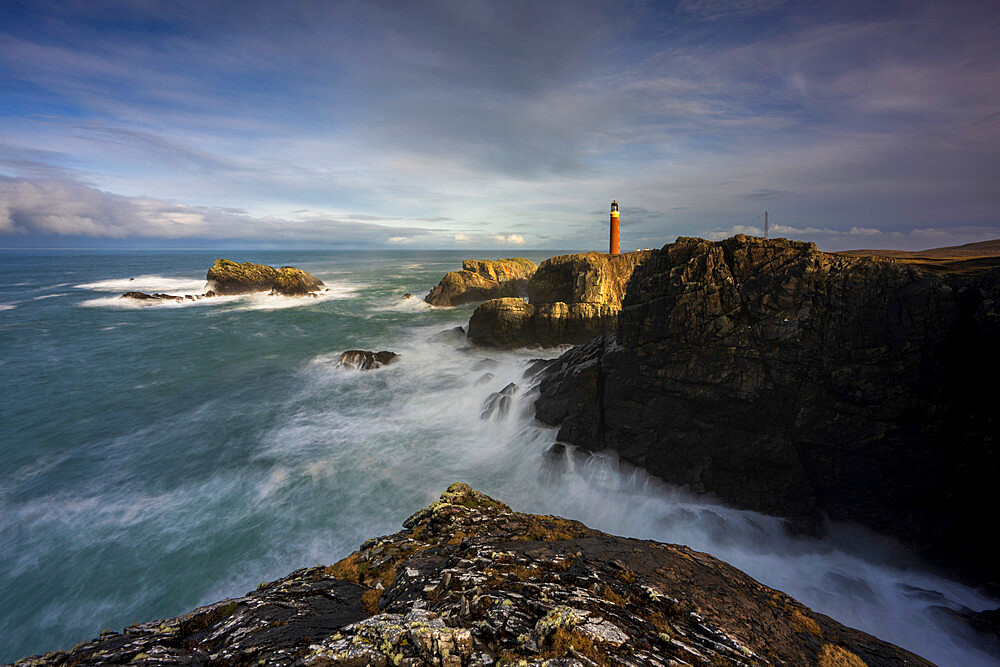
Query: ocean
159, 456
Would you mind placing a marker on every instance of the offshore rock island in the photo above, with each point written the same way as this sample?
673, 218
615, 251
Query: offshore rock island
469, 582
227, 278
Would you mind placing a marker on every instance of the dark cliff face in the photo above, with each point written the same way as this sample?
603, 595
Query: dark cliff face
472, 583
795, 382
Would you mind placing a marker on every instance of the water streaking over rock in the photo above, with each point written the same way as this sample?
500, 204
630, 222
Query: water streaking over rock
157, 459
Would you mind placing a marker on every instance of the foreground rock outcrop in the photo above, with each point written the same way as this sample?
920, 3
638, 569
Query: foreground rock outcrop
230, 277
482, 279
469, 582
571, 299
796, 382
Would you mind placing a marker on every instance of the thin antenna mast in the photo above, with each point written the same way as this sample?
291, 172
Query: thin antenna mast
765, 224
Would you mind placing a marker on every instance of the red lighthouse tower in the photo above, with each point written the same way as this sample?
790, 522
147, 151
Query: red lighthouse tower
615, 244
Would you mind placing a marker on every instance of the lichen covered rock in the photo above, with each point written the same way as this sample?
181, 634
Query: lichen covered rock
232, 278
471, 583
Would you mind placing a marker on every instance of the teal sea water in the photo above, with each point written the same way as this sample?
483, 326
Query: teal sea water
154, 457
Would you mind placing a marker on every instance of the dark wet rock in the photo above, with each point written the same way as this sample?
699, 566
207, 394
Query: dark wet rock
453, 336
364, 360
407, 296
485, 378
231, 277
482, 279
795, 382
497, 405
537, 366
470, 583
151, 297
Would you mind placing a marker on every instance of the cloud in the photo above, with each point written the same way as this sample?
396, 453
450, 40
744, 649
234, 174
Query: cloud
68, 208
509, 239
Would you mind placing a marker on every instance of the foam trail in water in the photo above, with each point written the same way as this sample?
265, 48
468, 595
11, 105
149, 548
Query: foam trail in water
415, 426
148, 283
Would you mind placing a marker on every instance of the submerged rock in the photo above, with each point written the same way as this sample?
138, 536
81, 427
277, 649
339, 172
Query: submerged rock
497, 405
363, 360
453, 336
796, 382
471, 583
230, 277
482, 279
153, 297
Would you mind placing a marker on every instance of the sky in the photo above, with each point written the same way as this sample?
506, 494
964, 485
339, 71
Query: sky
496, 125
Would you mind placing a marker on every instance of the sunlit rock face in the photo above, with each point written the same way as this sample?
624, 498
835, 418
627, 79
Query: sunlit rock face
570, 299
230, 277
482, 279
471, 583
795, 382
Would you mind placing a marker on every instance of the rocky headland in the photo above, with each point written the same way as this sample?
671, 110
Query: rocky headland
469, 582
482, 279
802, 384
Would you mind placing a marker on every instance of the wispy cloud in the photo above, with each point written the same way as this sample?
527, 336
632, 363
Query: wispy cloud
439, 118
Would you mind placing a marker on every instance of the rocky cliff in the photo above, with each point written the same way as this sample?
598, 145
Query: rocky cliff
571, 299
801, 383
230, 277
470, 582
482, 279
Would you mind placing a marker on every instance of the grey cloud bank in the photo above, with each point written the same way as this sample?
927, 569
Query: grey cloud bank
447, 124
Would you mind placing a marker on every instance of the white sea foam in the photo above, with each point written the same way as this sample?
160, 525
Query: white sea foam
47, 296
194, 287
148, 283
7, 306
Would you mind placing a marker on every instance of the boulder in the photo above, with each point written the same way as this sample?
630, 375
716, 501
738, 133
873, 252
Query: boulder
364, 360
482, 279
800, 383
230, 277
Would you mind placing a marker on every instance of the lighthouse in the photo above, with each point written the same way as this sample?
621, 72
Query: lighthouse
615, 248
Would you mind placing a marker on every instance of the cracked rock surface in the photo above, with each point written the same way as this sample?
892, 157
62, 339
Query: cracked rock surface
470, 582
